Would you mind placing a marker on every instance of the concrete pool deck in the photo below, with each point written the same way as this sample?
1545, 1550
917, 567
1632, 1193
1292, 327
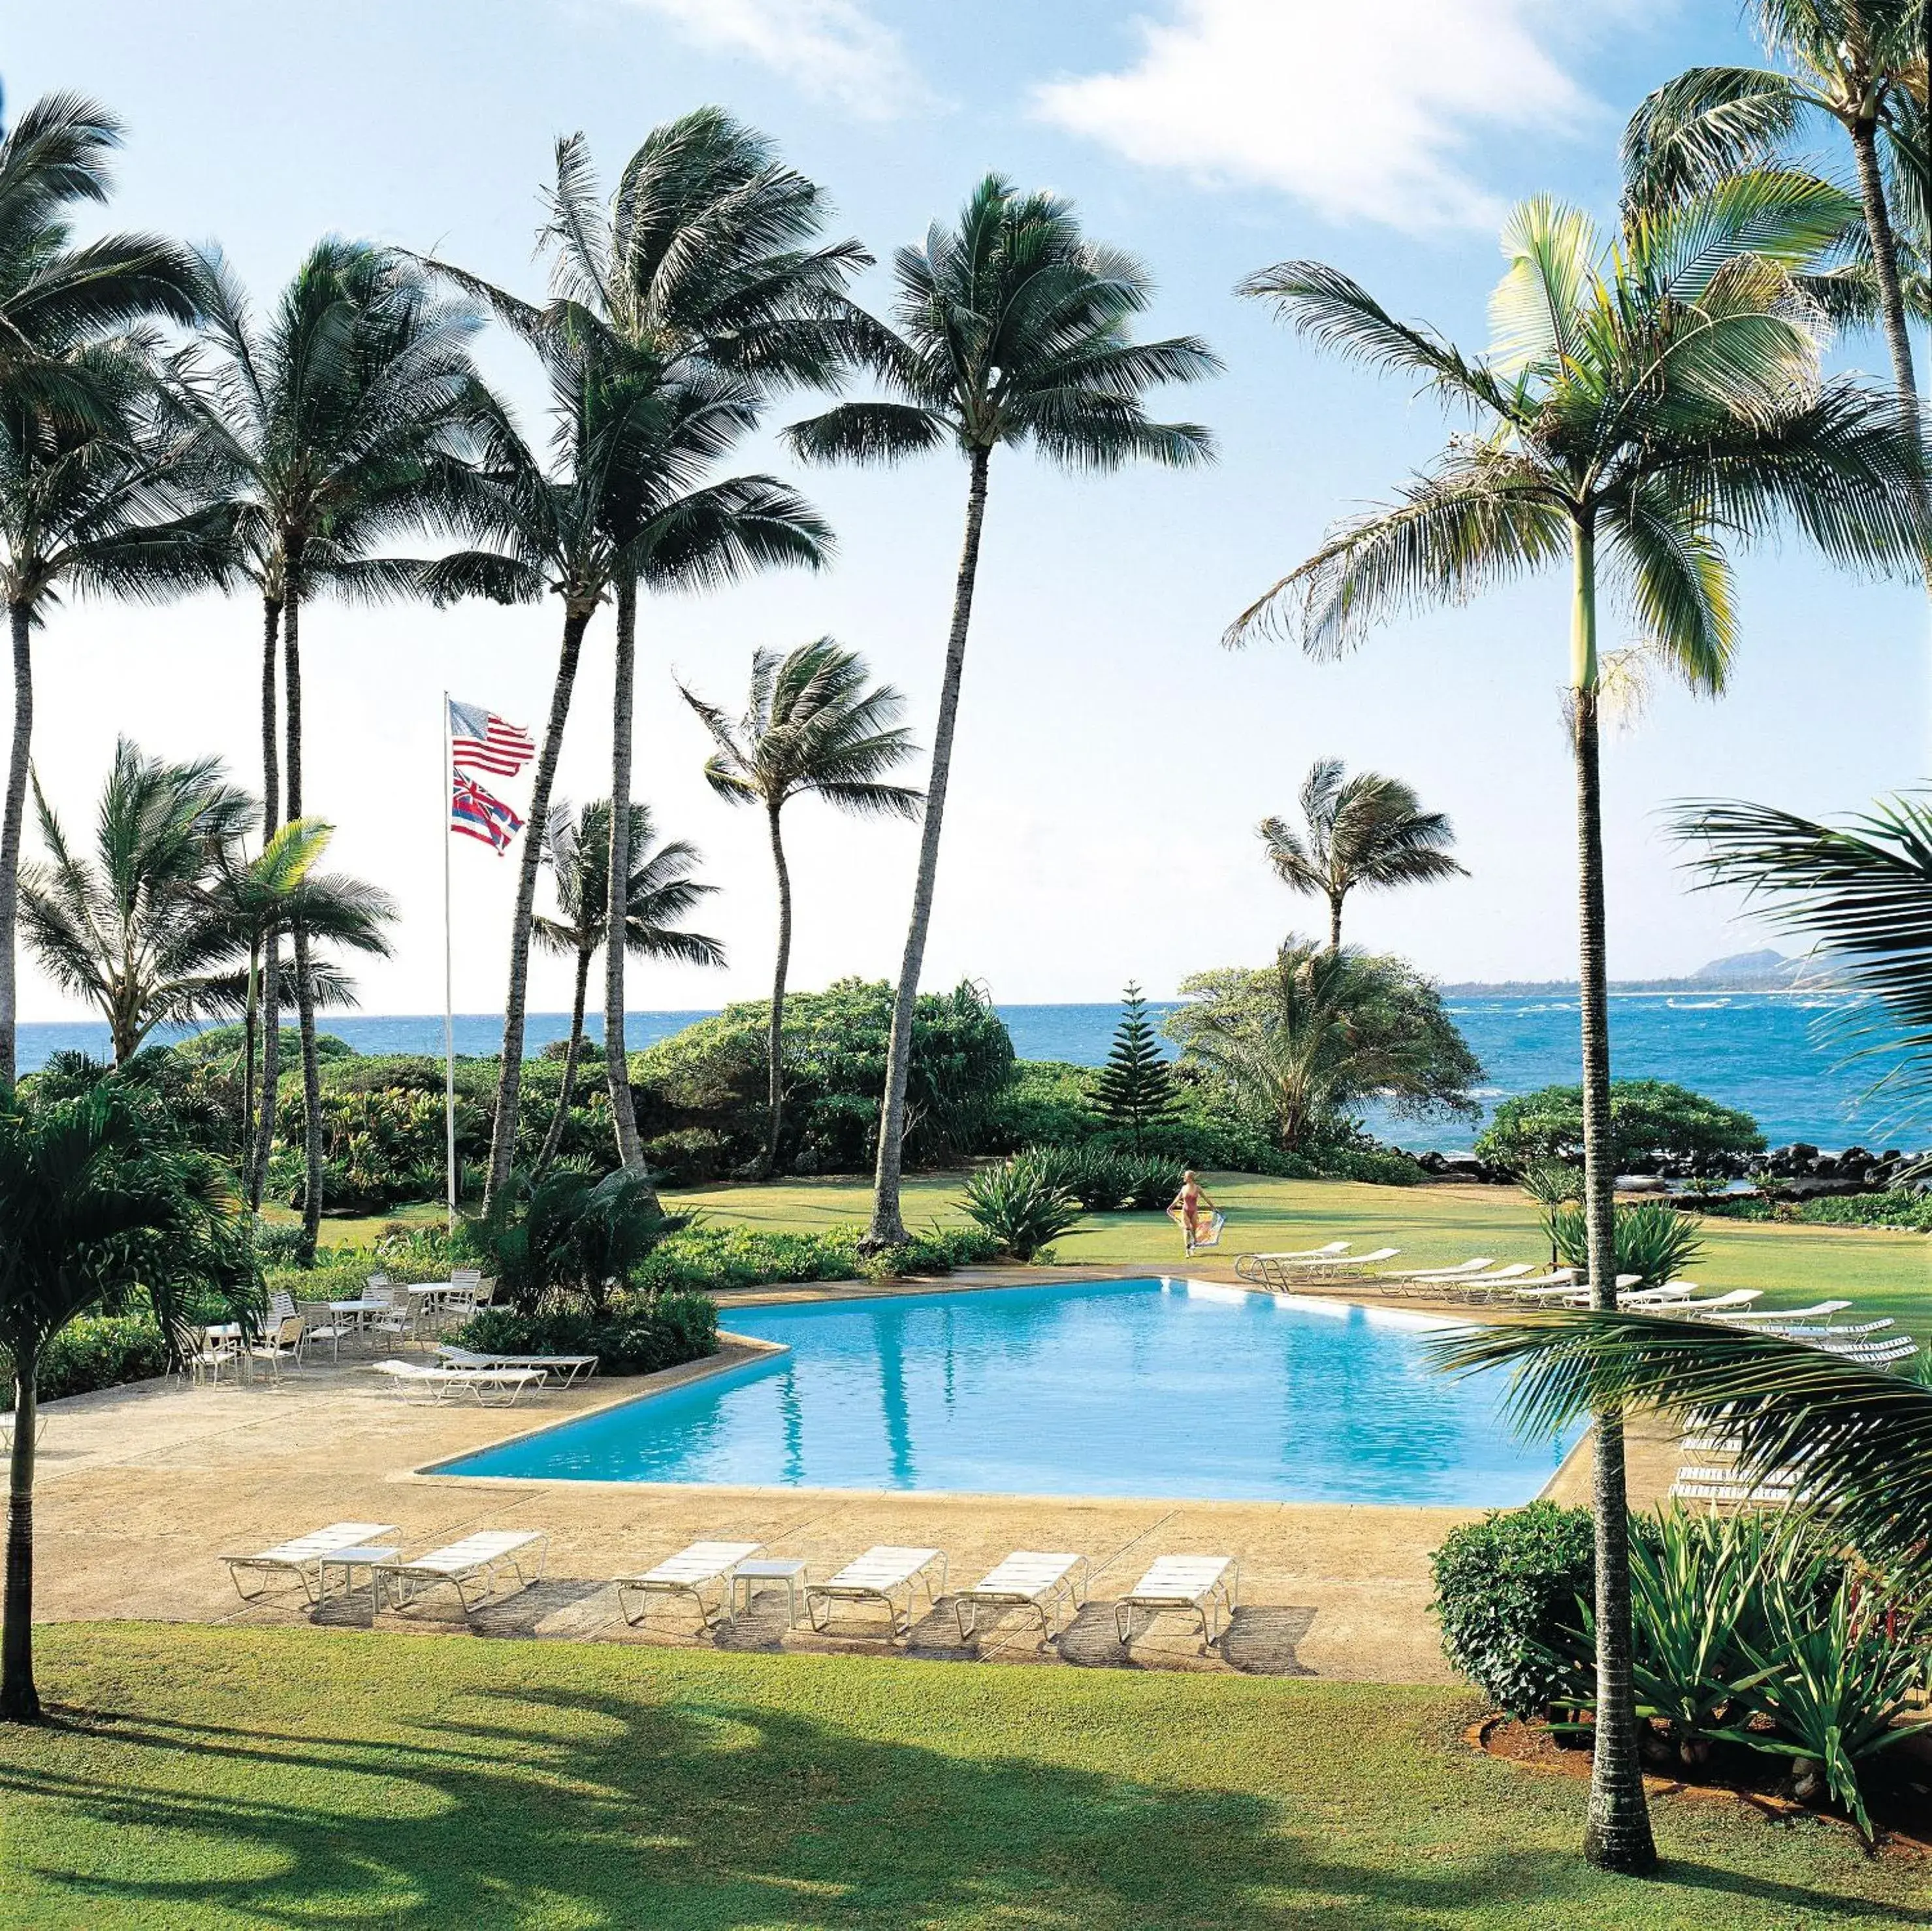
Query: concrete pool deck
140, 1490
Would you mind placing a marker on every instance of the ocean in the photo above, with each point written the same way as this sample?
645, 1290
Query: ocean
1773, 1054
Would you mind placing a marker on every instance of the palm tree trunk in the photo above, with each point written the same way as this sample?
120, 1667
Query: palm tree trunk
1885, 255
1335, 922
510, 1068
888, 1227
19, 1702
250, 1016
1617, 1832
774, 1042
304, 981
567, 1092
616, 907
271, 1068
19, 616
272, 783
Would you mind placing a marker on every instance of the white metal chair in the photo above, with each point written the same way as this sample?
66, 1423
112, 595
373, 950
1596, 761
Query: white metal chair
690, 1572
1025, 1580
321, 1328
881, 1574
302, 1557
1205, 1587
462, 1566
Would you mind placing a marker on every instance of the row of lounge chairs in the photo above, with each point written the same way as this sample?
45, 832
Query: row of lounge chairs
1051, 1585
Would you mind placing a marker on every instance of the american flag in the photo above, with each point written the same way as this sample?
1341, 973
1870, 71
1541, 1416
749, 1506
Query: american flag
475, 813
480, 739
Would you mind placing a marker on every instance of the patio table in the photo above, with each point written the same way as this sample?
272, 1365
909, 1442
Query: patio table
357, 1313
365, 1555
788, 1569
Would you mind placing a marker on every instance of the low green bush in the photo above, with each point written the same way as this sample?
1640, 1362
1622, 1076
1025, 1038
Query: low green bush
633, 1334
1506, 1594
1022, 1204
1896, 1207
717, 1257
96, 1351
1649, 1119
938, 1251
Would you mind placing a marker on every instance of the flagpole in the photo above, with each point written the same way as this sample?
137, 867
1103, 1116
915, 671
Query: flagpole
448, 982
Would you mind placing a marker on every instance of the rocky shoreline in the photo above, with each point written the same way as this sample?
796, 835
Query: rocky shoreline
1800, 1171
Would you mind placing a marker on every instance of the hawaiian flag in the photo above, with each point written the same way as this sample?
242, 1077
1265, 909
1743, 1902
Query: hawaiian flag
475, 813
480, 741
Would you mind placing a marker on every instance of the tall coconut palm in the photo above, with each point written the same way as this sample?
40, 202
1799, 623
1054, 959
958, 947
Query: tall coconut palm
1642, 406
1856, 64
1010, 329
662, 894
812, 726
1367, 832
88, 496
84, 1186
337, 427
675, 309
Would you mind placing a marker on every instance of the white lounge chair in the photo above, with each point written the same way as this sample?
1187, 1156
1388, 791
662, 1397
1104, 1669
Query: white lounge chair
1853, 1332
1817, 1310
302, 1557
1871, 1354
1562, 1283
1663, 1296
563, 1369
1277, 1270
490, 1387
688, 1573
1344, 1263
1202, 1586
1025, 1580
1719, 1304
879, 1575
475, 1559
1475, 1266
1726, 1485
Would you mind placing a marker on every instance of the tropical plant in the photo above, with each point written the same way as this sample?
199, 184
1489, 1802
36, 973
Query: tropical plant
662, 893
340, 426
86, 1194
94, 493
1642, 406
1365, 833
1135, 1089
566, 1236
1506, 1589
1650, 1119
1010, 329
135, 931
634, 1334
1320, 1031
1022, 1204
812, 726
1858, 64
1654, 1242
690, 296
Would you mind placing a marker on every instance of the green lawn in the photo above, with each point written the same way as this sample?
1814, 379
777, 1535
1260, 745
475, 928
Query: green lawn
203, 1777
1885, 1272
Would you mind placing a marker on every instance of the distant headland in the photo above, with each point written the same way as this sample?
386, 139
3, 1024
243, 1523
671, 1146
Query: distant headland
1761, 971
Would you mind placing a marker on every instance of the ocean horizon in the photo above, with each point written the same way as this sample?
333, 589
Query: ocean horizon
1780, 1055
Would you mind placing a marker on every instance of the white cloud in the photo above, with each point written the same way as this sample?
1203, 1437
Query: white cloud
833, 49
1364, 109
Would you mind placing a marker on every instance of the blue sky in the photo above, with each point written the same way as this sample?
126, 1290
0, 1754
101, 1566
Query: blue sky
1114, 759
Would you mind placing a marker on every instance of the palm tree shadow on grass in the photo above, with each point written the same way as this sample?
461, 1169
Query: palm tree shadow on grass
604, 1809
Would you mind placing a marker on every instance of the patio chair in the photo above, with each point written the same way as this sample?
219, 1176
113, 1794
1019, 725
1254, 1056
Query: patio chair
1555, 1289
281, 1341
1475, 1266
689, 1572
492, 1387
302, 1557
462, 1566
1818, 1309
1026, 1580
1203, 1586
400, 1320
1870, 1354
1660, 1297
1719, 1304
564, 1369
1347, 1263
1257, 1268
321, 1327
878, 1576
208, 1354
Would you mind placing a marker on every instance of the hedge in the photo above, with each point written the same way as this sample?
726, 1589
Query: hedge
96, 1351
637, 1334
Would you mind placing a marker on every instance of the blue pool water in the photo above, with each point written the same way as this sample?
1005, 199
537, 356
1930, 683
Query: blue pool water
1143, 1388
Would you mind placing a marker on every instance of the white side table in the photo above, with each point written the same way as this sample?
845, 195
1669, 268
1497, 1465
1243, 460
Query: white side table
349, 1561
788, 1569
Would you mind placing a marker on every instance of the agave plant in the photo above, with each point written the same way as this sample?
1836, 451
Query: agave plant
1021, 1205
1654, 1243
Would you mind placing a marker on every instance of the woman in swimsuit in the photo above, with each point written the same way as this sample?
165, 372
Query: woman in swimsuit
1191, 1203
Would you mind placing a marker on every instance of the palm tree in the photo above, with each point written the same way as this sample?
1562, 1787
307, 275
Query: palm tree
81, 1183
1855, 63
90, 498
675, 310
340, 426
812, 726
1638, 409
256, 899
133, 931
1367, 830
1011, 328
662, 893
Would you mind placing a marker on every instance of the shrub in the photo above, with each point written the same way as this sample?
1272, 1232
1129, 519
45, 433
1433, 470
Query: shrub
1506, 1594
1020, 1205
96, 1351
1046, 1103
735, 1258
1654, 1241
689, 1156
938, 1251
569, 1233
631, 1334
1649, 1120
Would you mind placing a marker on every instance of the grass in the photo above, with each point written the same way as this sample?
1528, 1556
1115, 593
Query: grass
201, 1778
1884, 1271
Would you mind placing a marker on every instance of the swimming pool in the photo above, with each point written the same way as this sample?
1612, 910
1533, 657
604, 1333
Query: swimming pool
1146, 1387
